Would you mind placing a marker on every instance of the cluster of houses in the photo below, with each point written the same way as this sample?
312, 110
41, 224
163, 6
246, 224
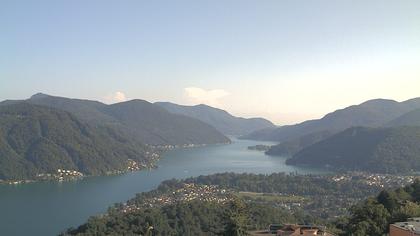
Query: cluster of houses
380, 180
189, 192
411, 227
67, 174
132, 165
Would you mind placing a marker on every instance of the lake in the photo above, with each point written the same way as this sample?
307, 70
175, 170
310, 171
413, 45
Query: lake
47, 208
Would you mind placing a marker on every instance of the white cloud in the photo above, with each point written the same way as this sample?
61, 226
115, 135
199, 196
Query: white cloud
210, 97
115, 97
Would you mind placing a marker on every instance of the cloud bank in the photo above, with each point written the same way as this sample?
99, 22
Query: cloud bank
212, 97
115, 97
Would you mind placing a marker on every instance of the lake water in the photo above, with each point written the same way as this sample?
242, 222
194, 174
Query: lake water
47, 208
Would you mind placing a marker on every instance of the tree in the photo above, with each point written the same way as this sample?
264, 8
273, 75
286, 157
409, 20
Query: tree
370, 218
236, 219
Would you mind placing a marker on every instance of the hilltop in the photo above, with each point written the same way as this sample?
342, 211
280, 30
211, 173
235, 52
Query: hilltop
138, 119
218, 118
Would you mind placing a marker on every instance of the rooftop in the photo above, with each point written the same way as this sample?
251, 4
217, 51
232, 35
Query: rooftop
412, 224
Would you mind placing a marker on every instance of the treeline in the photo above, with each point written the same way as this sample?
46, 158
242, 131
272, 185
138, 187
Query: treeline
373, 216
186, 218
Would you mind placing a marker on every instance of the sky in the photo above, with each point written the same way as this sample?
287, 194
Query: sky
287, 61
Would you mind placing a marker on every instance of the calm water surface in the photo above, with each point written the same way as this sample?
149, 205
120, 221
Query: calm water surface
47, 208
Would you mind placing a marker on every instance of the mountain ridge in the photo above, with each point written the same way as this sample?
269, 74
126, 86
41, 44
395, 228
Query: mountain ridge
381, 150
218, 118
371, 113
172, 130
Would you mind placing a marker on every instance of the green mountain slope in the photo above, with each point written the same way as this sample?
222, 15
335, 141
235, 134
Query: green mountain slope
37, 140
137, 119
291, 147
383, 150
153, 124
373, 113
220, 119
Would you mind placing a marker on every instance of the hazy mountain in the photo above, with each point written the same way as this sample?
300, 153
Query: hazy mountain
138, 119
291, 147
373, 113
153, 124
220, 119
411, 118
36, 139
385, 150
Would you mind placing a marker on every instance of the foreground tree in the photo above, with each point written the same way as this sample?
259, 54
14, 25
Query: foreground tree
370, 218
236, 218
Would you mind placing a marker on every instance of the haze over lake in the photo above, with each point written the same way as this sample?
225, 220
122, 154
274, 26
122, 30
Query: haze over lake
46, 208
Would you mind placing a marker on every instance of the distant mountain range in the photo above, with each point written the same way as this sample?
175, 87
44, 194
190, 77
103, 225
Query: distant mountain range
138, 119
220, 119
373, 113
381, 150
45, 133
40, 140
378, 136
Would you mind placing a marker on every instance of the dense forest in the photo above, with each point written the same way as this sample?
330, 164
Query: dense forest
244, 202
373, 216
380, 150
38, 140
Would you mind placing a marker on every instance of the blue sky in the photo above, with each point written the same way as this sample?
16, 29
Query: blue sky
285, 60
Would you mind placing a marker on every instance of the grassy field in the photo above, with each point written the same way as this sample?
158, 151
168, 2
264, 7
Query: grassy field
270, 197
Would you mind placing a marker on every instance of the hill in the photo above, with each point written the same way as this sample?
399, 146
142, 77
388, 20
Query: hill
411, 118
153, 124
137, 119
40, 140
382, 150
373, 113
291, 147
220, 119
211, 205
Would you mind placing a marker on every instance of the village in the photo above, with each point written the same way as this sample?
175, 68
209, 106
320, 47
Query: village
379, 180
188, 192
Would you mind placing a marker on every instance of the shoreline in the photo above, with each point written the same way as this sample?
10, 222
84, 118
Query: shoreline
134, 167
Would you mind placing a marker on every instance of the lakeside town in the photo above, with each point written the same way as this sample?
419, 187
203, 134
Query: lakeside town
188, 192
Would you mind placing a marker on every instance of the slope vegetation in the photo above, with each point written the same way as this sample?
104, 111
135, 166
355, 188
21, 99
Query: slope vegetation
383, 150
37, 140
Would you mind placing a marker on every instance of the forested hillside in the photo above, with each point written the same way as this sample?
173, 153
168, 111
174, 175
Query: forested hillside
383, 150
291, 147
137, 119
39, 140
372, 113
